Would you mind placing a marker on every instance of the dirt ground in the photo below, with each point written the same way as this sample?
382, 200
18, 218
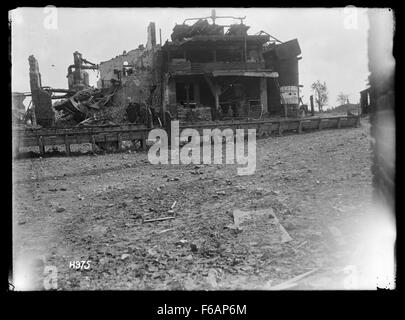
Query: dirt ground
90, 208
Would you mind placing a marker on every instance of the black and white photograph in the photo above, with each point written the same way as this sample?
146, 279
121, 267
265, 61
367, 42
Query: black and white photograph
202, 149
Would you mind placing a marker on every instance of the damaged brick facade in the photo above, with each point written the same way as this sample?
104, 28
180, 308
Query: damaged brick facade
138, 73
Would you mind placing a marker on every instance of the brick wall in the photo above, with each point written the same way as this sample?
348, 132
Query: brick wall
136, 86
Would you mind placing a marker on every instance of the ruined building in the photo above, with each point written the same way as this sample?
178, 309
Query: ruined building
209, 72
206, 72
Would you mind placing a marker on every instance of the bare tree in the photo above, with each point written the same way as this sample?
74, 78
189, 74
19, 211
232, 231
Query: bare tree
321, 94
342, 98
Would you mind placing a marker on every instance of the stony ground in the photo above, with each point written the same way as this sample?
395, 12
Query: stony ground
92, 208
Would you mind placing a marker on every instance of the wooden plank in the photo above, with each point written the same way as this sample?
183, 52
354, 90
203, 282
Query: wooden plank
327, 124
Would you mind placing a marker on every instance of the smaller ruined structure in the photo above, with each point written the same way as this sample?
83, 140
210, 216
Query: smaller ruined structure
137, 73
78, 78
41, 99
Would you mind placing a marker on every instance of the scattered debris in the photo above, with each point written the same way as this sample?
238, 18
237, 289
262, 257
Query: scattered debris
301, 244
164, 231
173, 205
292, 282
212, 279
158, 219
285, 237
181, 242
125, 256
261, 224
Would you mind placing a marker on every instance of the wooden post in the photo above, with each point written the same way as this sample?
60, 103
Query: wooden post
41, 146
143, 143
67, 146
119, 141
358, 121
311, 99
280, 130
93, 144
319, 124
300, 127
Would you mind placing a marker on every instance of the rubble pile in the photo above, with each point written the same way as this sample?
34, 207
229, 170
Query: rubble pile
90, 105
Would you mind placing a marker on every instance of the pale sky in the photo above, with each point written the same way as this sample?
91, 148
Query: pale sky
333, 41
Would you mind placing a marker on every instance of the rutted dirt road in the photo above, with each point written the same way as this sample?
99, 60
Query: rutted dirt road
91, 208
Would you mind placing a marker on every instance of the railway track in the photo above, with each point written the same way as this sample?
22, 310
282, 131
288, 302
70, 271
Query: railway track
111, 136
